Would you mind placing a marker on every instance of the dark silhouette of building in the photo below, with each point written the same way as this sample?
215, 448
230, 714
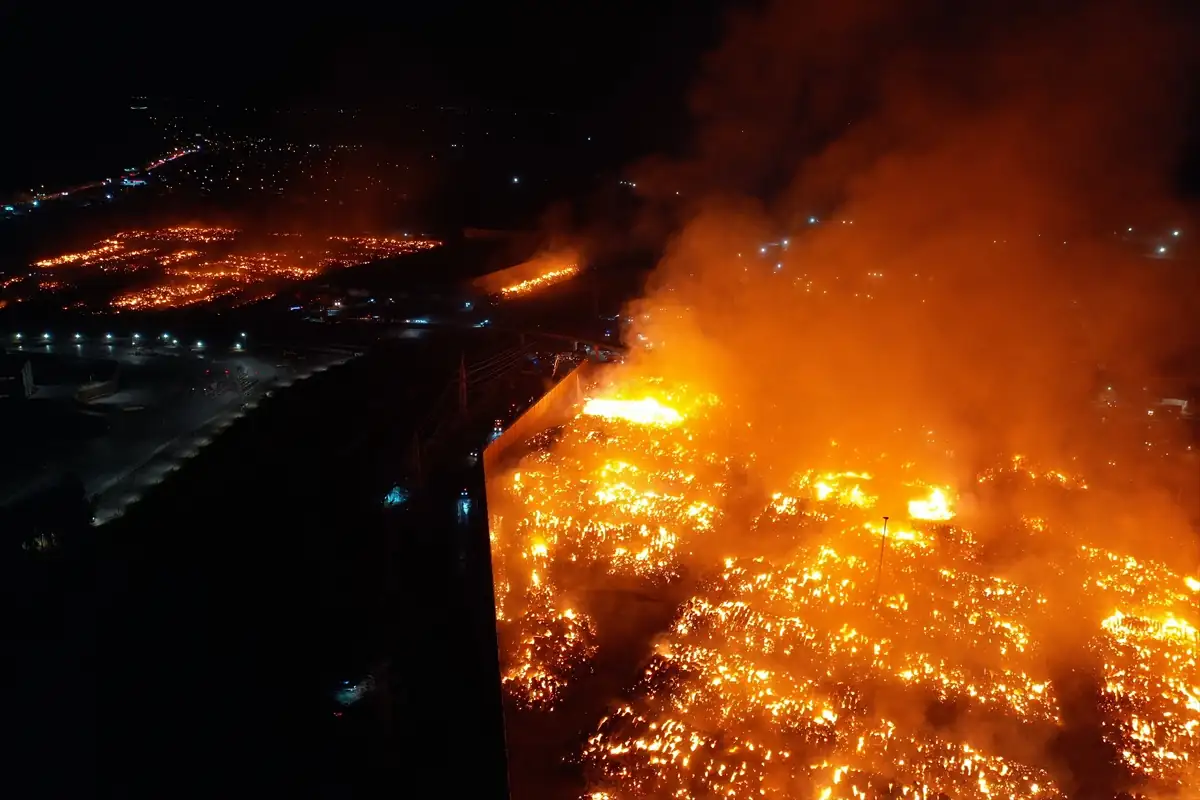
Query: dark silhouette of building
16, 378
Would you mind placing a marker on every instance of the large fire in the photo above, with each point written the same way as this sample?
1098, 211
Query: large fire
845, 634
190, 264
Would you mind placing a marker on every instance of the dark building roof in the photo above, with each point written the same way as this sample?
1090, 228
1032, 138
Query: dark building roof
11, 365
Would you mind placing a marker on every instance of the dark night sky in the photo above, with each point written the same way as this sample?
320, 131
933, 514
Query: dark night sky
550, 55
619, 66
625, 63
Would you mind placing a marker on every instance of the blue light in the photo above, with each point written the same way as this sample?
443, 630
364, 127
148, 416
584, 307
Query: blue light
396, 497
35, 203
9, 208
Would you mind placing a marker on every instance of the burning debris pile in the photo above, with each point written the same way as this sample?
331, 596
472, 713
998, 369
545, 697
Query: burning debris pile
890, 269
530, 277
823, 651
189, 264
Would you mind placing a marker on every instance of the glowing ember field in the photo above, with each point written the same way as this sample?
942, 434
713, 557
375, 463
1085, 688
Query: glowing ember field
815, 657
187, 265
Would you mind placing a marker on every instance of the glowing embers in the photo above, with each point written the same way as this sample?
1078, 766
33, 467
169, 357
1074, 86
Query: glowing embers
615, 498
801, 650
103, 250
193, 264
177, 256
1020, 467
1151, 690
366, 248
173, 295
196, 234
646, 411
773, 682
553, 647
842, 488
548, 278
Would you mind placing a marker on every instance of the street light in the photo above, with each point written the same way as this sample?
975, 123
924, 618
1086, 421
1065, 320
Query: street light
46, 337
78, 336
137, 336
108, 336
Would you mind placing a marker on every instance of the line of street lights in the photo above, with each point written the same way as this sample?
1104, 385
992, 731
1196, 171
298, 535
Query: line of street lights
78, 338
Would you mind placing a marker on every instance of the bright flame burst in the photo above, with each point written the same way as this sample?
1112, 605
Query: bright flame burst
646, 411
792, 649
935, 508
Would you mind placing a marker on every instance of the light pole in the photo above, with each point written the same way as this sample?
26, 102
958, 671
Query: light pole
882, 549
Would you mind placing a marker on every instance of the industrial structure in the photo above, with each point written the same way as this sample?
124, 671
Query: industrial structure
16, 378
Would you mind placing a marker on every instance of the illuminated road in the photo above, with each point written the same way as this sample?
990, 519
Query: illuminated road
117, 489
160, 417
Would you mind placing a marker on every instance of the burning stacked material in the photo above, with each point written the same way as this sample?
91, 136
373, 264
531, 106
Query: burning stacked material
530, 277
822, 650
187, 265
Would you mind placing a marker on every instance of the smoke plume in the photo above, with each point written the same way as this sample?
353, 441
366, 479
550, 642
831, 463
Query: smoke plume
954, 185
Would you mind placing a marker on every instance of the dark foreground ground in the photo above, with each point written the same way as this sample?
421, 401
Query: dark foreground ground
190, 648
